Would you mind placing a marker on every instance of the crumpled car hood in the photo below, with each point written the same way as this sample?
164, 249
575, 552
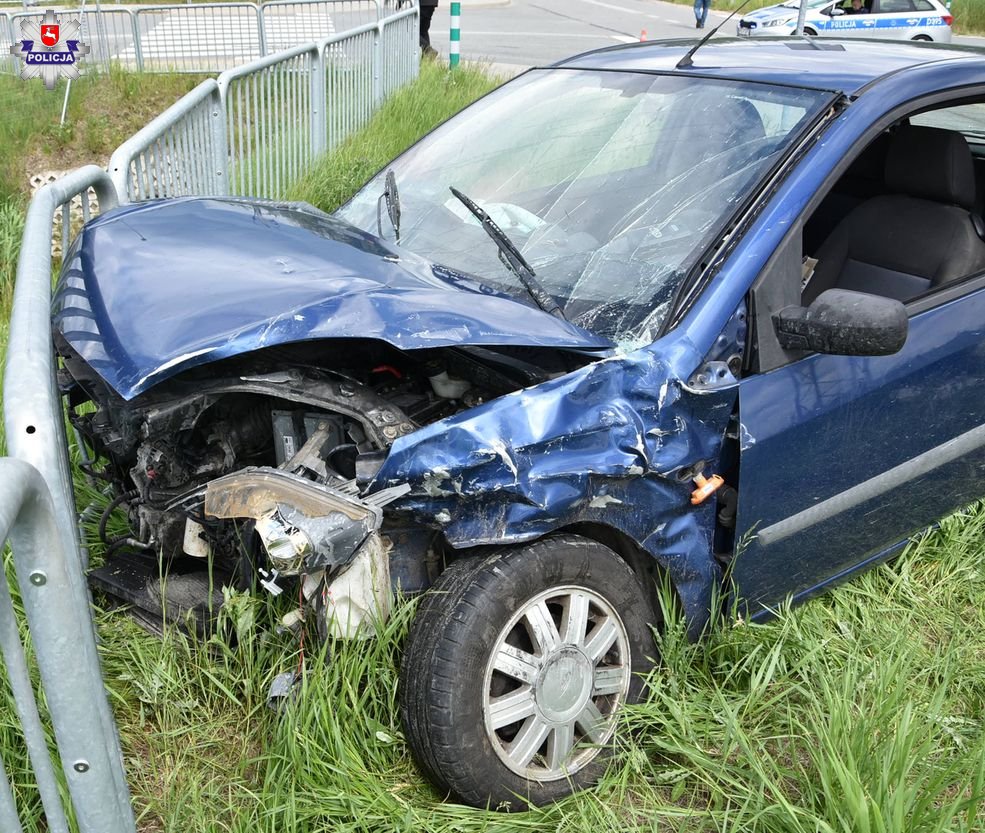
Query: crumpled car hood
152, 289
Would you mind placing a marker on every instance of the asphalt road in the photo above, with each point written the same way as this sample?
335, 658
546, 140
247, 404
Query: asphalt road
525, 33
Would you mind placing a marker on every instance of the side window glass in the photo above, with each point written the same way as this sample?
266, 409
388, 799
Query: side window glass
923, 6
897, 223
904, 221
966, 119
894, 6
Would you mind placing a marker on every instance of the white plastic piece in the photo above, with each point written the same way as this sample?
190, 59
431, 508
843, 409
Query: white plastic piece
292, 619
268, 581
449, 387
194, 544
359, 597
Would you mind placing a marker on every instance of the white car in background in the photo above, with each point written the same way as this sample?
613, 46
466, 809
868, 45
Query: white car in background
920, 20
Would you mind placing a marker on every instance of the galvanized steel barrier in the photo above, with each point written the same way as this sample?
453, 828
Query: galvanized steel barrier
37, 512
253, 130
199, 37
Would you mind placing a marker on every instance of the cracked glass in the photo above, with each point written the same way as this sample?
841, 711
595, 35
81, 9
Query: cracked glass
611, 184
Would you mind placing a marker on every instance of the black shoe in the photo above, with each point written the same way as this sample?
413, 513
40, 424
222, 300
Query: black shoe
697, 24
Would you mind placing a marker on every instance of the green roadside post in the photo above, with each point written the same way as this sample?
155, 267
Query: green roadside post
455, 36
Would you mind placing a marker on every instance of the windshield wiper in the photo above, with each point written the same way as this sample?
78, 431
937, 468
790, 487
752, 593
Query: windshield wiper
392, 199
511, 257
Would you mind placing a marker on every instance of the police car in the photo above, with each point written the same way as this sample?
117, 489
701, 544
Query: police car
919, 20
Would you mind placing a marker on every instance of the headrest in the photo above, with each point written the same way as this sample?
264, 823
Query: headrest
741, 118
931, 164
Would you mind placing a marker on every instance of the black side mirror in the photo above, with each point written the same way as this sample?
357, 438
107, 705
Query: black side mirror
844, 323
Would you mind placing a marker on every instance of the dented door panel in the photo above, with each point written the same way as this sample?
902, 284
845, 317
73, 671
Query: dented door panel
842, 457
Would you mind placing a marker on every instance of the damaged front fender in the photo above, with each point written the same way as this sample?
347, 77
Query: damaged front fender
616, 442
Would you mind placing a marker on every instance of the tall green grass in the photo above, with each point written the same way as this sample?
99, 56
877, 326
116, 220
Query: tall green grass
103, 110
402, 120
860, 712
969, 16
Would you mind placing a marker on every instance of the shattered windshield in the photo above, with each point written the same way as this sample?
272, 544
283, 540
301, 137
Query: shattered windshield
611, 185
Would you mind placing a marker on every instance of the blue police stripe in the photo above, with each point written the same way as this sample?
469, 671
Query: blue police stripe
877, 22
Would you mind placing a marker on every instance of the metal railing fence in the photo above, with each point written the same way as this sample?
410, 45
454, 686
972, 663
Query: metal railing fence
8, 62
199, 37
273, 111
37, 511
179, 153
56, 604
253, 130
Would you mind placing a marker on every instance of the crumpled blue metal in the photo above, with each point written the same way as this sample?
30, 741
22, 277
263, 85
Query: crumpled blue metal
609, 443
184, 282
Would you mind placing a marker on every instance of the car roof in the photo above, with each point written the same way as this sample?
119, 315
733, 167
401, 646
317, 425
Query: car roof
842, 65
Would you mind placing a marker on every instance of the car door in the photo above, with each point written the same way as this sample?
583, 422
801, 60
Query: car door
893, 19
838, 21
843, 457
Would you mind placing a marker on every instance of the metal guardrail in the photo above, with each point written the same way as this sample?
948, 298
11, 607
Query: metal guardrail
56, 603
199, 37
37, 510
180, 152
253, 130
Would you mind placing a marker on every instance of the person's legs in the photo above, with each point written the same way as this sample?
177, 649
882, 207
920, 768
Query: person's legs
426, 14
699, 6
705, 5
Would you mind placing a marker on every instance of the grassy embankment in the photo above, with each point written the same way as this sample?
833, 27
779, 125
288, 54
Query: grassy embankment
861, 711
969, 15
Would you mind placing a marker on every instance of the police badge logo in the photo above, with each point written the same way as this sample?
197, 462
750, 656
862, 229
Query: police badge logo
58, 53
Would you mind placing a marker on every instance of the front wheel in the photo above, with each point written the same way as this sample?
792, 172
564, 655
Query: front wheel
923, 38
809, 32
516, 666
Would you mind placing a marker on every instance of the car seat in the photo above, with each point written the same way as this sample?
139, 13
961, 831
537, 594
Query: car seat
920, 237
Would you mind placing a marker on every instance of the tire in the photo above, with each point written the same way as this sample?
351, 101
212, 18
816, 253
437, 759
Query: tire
923, 38
487, 646
809, 32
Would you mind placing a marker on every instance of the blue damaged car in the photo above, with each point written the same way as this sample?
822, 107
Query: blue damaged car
713, 319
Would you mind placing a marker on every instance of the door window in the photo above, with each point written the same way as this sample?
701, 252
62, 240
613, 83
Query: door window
892, 6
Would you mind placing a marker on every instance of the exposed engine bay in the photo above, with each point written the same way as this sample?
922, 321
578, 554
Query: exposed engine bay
256, 468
